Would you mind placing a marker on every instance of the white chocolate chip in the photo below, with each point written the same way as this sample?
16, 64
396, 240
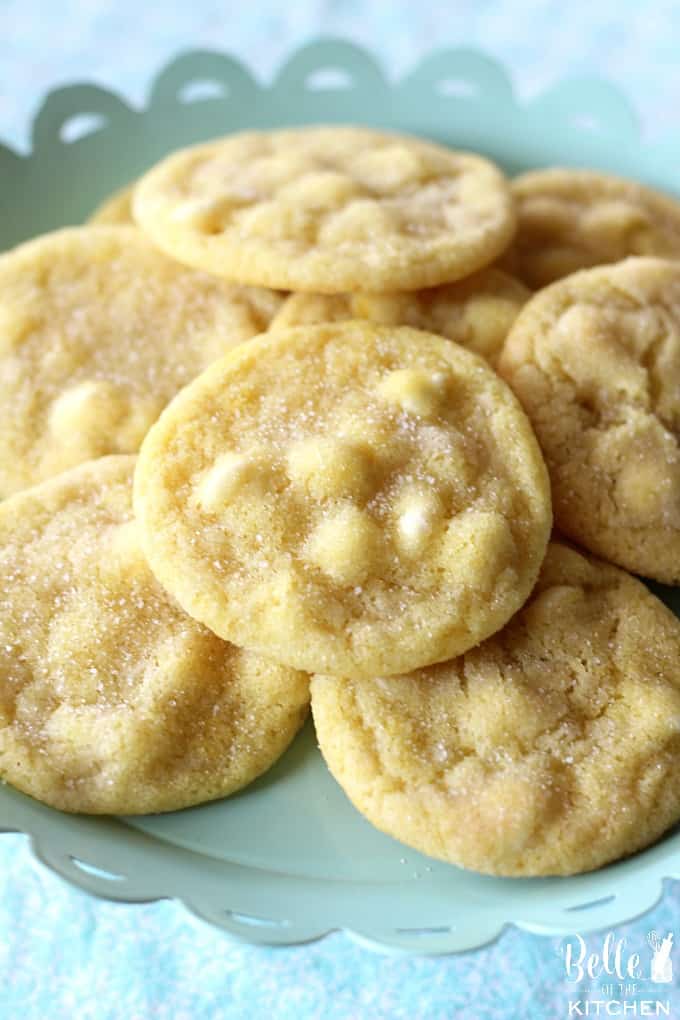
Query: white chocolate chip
230, 473
415, 391
96, 416
347, 546
419, 512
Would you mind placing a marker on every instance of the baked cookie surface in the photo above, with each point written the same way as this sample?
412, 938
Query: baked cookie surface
111, 699
476, 312
595, 361
550, 749
346, 498
98, 331
327, 209
569, 220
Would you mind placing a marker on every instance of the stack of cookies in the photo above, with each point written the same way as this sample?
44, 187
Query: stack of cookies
292, 415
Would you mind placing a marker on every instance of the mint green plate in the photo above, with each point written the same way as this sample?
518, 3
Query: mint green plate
289, 859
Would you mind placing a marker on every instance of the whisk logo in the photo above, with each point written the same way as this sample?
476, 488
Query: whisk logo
627, 978
661, 970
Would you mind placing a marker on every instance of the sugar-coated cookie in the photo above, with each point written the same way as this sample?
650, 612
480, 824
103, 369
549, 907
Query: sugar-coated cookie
98, 330
476, 312
595, 360
328, 209
550, 749
574, 219
111, 699
346, 498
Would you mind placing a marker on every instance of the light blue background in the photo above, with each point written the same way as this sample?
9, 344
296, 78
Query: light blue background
64, 955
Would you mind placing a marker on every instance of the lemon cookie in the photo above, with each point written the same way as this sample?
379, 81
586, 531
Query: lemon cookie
550, 749
98, 331
476, 312
328, 209
116, 209
595, 360
575, 219
111, 698
347, 498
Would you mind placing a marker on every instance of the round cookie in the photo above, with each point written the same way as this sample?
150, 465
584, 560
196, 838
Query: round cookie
328, 209
476, 312
98, 331
112, 700
575, 219
346, 498
116, 210
550, 749
595, 360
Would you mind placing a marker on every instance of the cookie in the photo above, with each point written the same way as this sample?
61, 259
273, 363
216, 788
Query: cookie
328, 209
111, 699
595, 360
115, 210
98, 331
569, 220
550, 749
346, 498
476, 312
